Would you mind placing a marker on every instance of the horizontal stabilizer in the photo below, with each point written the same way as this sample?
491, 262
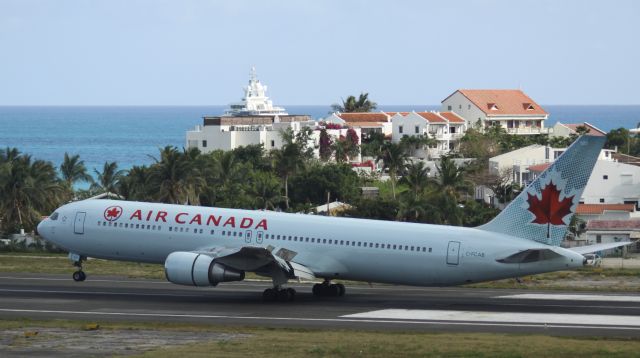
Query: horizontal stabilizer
531, 255
598, 247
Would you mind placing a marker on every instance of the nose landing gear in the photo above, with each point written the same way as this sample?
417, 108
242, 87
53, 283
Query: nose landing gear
79, 275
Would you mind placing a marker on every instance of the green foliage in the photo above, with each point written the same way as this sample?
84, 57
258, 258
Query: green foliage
351, 104
336, 180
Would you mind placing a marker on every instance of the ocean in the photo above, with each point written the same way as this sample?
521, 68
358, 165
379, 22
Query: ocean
132, 135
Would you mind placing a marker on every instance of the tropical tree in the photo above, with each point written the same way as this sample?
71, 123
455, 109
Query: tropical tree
326, 143
28, 190
411, 143
175, 177
351, 104
107, 180
266, 190
292, 156
451, 178
416, 177
393, 157
72, 171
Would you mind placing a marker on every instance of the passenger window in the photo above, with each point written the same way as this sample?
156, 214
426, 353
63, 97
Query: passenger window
289, 238
126, 225
181, 229
313, 240
342, 242
389, 246
359, 243
429, 249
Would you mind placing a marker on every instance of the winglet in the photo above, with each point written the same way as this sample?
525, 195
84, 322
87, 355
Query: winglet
544, 209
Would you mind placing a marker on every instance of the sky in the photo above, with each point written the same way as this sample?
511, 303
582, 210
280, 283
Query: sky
199, 52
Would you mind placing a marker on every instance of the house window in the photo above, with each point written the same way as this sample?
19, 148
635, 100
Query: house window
605, 177
602, 200
448, 108
204, 144
452, 129
598, 239
468, 106
459, 106
273, 143
400, 129
417, 129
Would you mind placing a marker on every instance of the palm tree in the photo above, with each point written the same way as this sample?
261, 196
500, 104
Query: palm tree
136, 184
393, 157
28, 190
107, 180
451, 178
266, 190
176, 177
73, 170
292, 156
351, 104
416, 177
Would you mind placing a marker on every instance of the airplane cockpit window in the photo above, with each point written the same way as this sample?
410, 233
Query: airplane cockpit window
54, 216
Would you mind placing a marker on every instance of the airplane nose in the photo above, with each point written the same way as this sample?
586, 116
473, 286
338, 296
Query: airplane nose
40, 228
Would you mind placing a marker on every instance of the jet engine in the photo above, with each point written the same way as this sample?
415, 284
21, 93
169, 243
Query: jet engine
192, 269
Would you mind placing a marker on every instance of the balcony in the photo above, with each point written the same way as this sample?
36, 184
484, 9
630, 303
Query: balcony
528, 130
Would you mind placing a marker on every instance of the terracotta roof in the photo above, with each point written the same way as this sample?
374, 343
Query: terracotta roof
593, 131
364, 117
539, 167
502, 102
432, 117
601, 208
633, 224
391, 114
452, 117
365, 124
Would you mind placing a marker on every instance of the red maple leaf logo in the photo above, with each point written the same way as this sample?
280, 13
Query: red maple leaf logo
550, 209
112, 213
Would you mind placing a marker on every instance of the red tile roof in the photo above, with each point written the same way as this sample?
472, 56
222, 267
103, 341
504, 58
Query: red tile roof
539, 168
601, 208
593, 131
391, 114
365, 124
452, 117
633, 224
432, 117
502, 102
364, 117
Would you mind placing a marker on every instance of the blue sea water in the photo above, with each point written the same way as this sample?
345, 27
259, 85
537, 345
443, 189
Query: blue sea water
132, 135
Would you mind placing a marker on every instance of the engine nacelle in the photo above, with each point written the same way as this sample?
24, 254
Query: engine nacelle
191, 269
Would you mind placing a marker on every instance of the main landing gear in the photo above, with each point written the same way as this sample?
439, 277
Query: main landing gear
279, 294
328, 289
79, 275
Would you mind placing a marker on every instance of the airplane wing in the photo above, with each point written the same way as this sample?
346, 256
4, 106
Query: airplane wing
257, 259
598, 247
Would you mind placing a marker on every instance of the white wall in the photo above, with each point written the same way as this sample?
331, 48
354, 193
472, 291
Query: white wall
612, 189
463, 107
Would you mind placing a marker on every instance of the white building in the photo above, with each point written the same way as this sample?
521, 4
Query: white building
516, 112
526, 163
446, 128
608, 231
367, 122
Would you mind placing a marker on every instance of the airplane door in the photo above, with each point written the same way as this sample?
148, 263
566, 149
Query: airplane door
78, 225
453, 253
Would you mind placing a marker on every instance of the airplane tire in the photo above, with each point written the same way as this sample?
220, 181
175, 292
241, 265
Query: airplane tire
284, 296
333, 290
292, 293
79, 276
269, 295
317, 290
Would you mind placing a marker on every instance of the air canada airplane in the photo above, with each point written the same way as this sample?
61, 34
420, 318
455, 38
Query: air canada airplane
204, 246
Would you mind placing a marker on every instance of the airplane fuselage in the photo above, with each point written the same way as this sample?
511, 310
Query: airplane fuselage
333, 248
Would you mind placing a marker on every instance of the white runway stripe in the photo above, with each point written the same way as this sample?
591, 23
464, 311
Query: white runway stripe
568, 298
502, 317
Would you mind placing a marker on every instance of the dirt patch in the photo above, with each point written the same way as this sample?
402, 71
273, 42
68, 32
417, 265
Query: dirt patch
64, 342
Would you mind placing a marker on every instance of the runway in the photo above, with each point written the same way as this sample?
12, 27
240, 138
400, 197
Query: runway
372, 308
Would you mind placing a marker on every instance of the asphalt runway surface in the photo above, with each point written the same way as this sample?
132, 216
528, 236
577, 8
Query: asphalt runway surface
380, 308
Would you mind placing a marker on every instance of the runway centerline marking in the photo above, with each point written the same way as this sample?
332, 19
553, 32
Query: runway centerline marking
569, 297
502, 317
345, 319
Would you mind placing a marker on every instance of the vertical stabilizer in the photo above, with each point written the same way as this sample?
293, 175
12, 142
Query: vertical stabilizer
544, 209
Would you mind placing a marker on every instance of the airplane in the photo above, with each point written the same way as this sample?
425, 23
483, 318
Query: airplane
205, 246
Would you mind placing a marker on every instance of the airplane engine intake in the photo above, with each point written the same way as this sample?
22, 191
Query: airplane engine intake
192, 269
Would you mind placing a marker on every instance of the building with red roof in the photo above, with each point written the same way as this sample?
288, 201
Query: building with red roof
444, 128
512, 109
566, 130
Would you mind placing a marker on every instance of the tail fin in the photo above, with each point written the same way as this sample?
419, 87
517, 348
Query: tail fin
544, 209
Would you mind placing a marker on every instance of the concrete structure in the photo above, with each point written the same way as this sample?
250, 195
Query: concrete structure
566, 130
516, 112
446, 128
606, 231
527, 163
367, 122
